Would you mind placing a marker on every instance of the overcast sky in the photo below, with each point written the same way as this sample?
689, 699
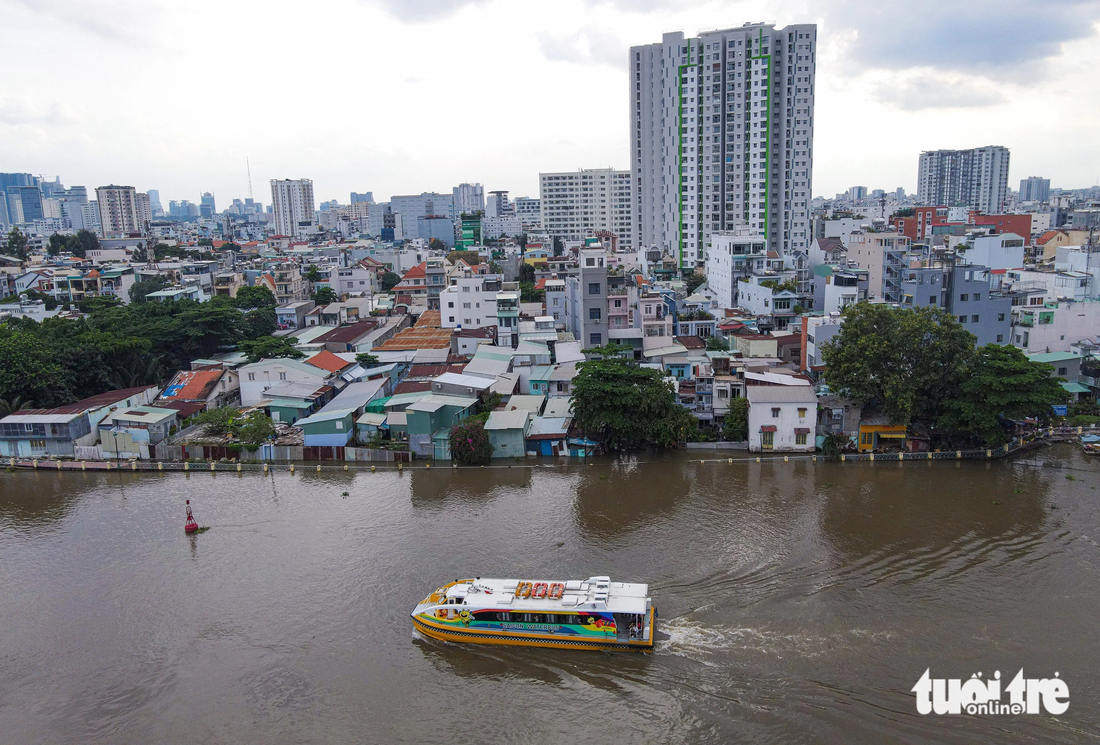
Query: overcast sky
404, 96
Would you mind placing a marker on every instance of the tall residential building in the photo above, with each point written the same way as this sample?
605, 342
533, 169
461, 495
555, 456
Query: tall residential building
143, 207
576, 204
292, 202
119, 211
414, 206
468, 199
976, 178
529, 212
721, 136
1034, 189
586, 298
356, 198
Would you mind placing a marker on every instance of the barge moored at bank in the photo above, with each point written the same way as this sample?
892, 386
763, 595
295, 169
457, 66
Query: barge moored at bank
594, 614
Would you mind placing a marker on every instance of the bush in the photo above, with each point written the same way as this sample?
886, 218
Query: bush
470, 444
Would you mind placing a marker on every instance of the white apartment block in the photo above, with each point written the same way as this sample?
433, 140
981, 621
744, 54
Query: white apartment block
977, 179
119, 211
721, 136
292, 204
470, 302
576, 204
529, 212
468, 199
731, 257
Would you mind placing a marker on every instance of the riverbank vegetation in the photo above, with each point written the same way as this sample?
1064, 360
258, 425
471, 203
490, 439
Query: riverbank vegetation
121, 346
922, 365
625, 406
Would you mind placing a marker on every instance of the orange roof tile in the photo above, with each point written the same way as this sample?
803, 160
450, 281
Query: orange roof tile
417, 338
328, 361
429, 319
191, 385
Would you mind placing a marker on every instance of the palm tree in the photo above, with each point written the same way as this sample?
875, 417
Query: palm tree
10, 406
833, 444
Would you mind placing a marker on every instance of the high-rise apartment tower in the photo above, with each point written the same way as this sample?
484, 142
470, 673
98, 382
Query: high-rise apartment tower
721, 137
976, 178
292, 205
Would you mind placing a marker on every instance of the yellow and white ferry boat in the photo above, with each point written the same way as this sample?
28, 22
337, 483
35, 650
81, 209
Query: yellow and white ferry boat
595, 613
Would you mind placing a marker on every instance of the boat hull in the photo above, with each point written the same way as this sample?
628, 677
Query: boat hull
548, 641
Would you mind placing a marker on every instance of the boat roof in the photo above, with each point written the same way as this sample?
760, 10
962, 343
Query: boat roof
594, 593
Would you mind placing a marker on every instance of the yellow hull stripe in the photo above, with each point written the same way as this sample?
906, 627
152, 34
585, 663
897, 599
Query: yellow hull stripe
523, 640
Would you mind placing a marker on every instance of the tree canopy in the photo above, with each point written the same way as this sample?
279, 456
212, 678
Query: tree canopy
1003, 381
267, 347
905, 361
325, 296
626, 406
389, 280
254, 297
17, 244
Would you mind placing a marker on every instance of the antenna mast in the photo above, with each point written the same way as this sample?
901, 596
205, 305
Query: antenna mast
249, 167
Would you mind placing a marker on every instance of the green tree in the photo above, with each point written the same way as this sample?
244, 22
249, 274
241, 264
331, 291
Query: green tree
10, 406
521, 241
255, 429
528, 293
325, 296
1003, 382
907, 362
436, 244
140, 254
254, 297
28, 371
492, 400
17, 244
366, 359
527, 273
83, 242
218, 421
694, 282
206, 242
736, 426
139, 290
559, 246
269, 347
717, 344
626, 406
470, 444
312, 275
57, 244
389, 280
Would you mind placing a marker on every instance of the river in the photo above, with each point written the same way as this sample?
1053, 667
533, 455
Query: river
801, 601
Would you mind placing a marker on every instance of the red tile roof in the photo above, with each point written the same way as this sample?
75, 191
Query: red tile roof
1047, 237
328, 361
420, 270
191, 385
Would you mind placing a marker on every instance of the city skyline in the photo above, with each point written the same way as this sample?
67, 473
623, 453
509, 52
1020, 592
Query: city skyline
879, 102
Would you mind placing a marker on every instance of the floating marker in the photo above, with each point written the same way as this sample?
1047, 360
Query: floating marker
190, 526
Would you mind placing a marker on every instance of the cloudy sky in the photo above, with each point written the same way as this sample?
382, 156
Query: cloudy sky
403, 96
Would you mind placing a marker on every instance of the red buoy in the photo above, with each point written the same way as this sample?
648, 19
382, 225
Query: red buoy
190, 526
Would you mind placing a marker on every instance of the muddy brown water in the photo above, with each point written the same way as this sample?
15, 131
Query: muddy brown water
801, 601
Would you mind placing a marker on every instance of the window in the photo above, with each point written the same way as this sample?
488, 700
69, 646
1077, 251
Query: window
465, 306
977, 296
282, 376
767, 439
800, 438
593, 314
931, 299
450, 319
1000, 338
801, 413
252, 376
963, 297
775, 412
595, 339
339, 425
593, 288
973, 319
962, 319
1062, 370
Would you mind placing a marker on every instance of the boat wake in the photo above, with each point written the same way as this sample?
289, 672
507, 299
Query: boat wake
697, 641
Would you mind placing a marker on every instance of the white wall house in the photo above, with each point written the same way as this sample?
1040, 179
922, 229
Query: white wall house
257, 377
1005, 251
781, 418
733, 255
